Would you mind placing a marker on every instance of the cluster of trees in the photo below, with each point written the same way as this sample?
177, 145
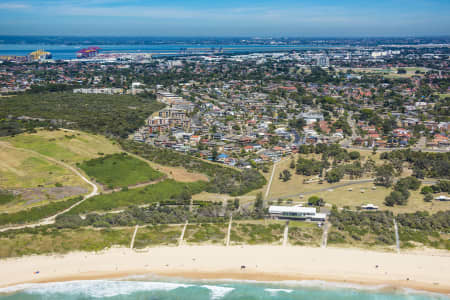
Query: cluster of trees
443, 186
424, 164
285, 175
309, 167
223, 180
111, 115
400, 194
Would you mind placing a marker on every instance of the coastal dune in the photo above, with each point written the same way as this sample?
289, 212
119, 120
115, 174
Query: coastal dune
425, 270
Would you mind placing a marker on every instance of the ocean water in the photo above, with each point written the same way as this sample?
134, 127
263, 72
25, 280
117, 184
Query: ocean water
69, 51
140, 288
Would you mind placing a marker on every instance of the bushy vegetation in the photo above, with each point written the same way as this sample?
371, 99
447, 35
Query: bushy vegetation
116, 115
152, 235
119, 169
5, 197
257, 233
200, 233
370, 228
49, 239
37, 213
159, 192
422, 227
304, 233
223, 179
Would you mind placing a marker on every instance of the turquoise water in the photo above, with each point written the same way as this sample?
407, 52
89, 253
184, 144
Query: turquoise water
139, 288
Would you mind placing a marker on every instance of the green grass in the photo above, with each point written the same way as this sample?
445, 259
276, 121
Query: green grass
68, 146
165, 190
47, 240
119, 169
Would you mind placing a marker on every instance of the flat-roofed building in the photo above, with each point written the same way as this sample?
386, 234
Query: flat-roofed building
296, 213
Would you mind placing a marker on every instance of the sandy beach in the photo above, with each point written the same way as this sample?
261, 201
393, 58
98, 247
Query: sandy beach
422, 270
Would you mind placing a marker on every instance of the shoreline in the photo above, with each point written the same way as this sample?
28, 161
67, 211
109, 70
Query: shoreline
422, 271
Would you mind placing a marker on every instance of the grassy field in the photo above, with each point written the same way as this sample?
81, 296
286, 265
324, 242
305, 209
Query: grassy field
66, 145
118, 170
344, 197
205, 233
157, 235
164, 190
19, 169
52, 240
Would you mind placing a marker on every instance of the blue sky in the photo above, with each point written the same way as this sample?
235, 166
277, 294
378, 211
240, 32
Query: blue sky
225, 18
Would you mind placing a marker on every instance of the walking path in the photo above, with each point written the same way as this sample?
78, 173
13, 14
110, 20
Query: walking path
134, 236
180, 241
227, 243
286, 234
270, 181
397, 240
326, 227
51, 219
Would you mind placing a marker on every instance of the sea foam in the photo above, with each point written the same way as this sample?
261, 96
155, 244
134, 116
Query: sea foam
94, 288
217, 292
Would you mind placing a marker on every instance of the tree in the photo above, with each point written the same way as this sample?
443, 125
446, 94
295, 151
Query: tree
428, 197
384, 175
285, 175
259, 201
315, 201
334, 175
292, 164
354, 155
236, 203
426, 190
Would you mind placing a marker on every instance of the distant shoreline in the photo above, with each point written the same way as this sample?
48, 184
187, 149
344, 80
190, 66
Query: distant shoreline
425, 271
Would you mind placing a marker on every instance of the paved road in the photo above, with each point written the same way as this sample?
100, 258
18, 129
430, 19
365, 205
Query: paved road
51, 219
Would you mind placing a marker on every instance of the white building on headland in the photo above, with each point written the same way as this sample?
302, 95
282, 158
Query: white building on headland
296, 213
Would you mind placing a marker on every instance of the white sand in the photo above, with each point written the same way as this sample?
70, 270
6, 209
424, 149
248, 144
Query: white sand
425, 270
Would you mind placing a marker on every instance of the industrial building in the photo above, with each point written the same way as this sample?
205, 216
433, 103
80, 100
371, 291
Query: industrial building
88, 52
39, 54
